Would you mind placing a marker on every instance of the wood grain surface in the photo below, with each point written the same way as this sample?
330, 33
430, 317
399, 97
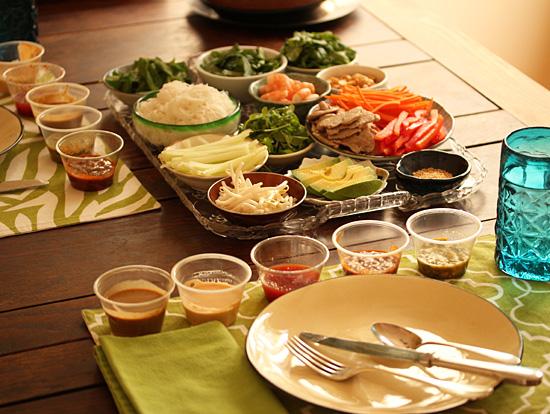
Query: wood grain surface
46, 362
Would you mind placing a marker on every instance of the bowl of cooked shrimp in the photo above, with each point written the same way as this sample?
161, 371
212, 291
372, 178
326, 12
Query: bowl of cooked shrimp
280, 89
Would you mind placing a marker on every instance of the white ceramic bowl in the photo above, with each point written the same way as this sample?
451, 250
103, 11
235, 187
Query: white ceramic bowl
194, 181
282, 160
237, 86
315, 71
128, 98
378, 75
79, 92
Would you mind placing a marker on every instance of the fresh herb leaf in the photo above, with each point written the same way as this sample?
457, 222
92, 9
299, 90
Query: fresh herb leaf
316, 50
148, 75
279, 129
240, 62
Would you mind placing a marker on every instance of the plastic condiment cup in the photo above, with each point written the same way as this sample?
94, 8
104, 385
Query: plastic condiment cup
370, 246
9, 57
134, 298
23, 78
286, 263
90, 158
443, 240
211, 286
54, 94
56, 122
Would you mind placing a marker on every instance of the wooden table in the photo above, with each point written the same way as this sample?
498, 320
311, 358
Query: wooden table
46, 362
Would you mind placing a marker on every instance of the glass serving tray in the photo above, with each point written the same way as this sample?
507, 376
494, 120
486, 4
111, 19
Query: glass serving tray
313, 213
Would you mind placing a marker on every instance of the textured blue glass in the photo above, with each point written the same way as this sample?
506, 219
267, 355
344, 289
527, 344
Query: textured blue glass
523, 212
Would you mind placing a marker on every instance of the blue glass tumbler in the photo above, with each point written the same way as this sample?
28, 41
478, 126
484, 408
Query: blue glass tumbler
523, 212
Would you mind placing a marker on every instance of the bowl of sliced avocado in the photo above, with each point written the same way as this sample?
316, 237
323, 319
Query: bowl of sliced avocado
330, 179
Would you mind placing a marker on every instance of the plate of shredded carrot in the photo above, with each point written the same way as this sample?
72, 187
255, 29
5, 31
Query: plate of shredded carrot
408, 122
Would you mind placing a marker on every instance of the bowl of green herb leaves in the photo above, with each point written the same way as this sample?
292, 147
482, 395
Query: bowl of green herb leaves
309, 52
280, 130
234, 68
131, 82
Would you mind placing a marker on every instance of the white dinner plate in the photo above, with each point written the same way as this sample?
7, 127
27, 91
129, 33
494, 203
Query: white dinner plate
11, 131
347, 307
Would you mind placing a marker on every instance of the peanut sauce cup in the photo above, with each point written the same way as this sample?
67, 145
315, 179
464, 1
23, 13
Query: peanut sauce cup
211, 286
368, 247
61, 120
90, 158
286, 263
134, 298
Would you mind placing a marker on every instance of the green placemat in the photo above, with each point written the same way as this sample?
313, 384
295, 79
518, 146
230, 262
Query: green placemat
526, 303
58, 204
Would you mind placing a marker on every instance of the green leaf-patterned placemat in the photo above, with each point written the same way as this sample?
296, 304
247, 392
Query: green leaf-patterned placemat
525, 303
58, 204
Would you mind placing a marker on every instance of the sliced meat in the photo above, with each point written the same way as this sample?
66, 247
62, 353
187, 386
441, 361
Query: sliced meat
362, 143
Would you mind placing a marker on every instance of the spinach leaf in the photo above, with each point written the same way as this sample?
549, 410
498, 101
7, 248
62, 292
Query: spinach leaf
316, 50
240, 62
148, 75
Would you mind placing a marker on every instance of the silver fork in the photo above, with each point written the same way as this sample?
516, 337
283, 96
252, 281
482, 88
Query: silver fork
338, 371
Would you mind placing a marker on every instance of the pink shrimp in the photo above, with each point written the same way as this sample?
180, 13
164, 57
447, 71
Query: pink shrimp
301, 95
275, 96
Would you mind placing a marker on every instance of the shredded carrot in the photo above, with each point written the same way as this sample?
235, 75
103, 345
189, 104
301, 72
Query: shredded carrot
386, 103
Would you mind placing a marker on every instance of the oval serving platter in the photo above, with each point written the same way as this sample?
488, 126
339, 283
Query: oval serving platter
448, 123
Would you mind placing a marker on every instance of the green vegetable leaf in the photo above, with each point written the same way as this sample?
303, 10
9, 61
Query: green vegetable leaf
316, 50
240, 62
147, 74
279, 129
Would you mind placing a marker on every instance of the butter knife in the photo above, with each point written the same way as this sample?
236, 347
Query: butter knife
512, 373
8, 186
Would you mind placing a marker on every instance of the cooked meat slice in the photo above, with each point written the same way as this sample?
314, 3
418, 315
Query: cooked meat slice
362, 143
342, 133
320, 112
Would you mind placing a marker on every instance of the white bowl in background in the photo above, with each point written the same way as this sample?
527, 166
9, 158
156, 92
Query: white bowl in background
376, 74
237, 86
315, 71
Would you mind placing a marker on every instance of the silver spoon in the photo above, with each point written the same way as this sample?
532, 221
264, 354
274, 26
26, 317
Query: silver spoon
400, 337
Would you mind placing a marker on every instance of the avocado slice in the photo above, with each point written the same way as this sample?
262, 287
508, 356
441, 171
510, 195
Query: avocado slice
338, 178
355, 190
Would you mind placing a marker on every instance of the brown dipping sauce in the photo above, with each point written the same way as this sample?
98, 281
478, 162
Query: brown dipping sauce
92, 174
198, 314
65, 120
55, 98
128, 323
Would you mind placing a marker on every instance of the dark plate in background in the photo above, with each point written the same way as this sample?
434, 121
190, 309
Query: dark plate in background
325, 11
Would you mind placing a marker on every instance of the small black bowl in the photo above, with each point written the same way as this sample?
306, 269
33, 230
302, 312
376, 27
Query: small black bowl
455, 164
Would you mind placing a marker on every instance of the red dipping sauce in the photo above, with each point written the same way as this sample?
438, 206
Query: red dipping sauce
90, 174
277, 284
23, 108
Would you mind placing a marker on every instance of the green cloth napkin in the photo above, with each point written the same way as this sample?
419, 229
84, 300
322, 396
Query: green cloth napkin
198, 370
